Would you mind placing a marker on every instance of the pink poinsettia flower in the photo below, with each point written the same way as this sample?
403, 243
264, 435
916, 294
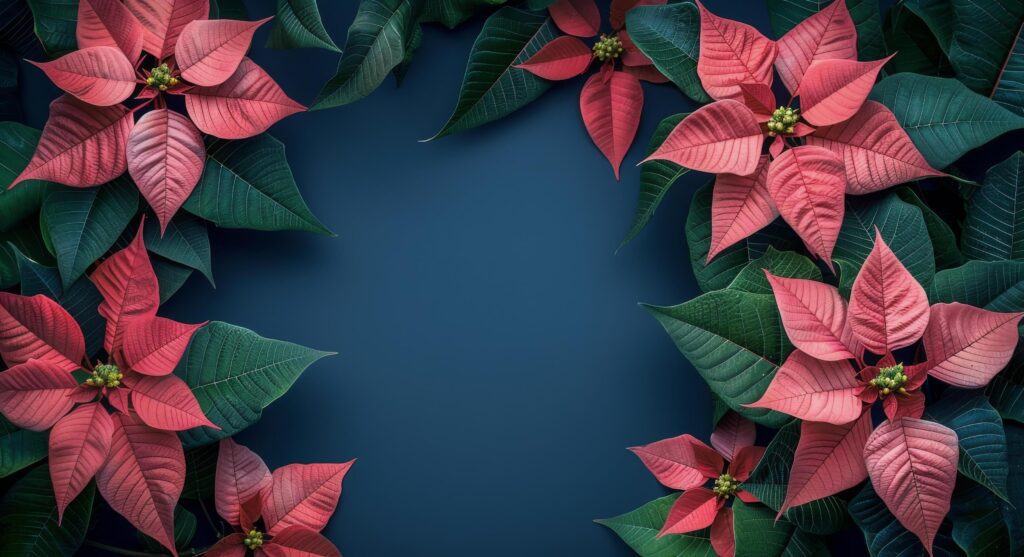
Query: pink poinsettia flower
611, 100
827, 383
279, 514
132, 449
835, 143
687, 464
91, 137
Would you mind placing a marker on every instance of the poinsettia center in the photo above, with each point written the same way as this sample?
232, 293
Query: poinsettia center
726, 486
105, 375
783, 121
160, 78
608, 47
890, 380
254, 539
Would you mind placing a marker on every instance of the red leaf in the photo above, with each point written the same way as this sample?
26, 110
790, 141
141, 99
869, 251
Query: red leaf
722, 538
163, 20
576, 17
745, 462
732, 53
912, 464
888, 307
682, 462
81, 146
826, 35
631, 55
650, 74
814, 390
98, 75
79, 445
167, 403
563, 58
694, 510
899, 406
299, 541
303, 495
246, 104
118, 398
740, 206
166, 155
967, 346
228, 546
35, 394
829, 458
209, 51
154, 346
733, 433
814, 316
759, 98
619, 8
129, 288
109, 23
241, 475
611, 111
834, 90
37, 327
876, 152
808, 184
721, 138
143, 477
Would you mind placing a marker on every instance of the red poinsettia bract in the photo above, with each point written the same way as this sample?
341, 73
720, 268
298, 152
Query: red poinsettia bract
687, 464
279, 514
835, 143
826, 383
91, 138
118, 424
611, 100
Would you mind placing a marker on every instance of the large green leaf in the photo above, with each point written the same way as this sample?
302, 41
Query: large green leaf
19, 447
938, 15
492, 87
947, 253
639, 529
759, 534
29, 515
786, 14
979, 431
992, 285
736, 342
983, 35
185, 241
1015, 486
978, 525
298, 25
55, 22
200, 472
1009, 91
235, 374
26, 239
787, 264
248, 184
915, 45
670, 36
994, 226
375, 46
17, 143
942, 116
228, 9
656, 177
451, 13
885, 536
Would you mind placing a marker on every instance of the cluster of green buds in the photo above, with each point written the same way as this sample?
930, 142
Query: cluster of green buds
726, 486
890, 380
105, 375
161, 78
608, 46
254, 539
783, 120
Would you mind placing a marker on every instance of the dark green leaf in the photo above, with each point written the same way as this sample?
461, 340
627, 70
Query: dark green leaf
29, 515
992, 285
19, 447
656, 177
639, 529
1009, 91
994, 226
411, 46
451, 13
978, 526
298, 25
979, 431
670, 36
786, 14
781, 264
185, 241
17, 143
170, 275
947, 254
885, 536
37, 278
916, 48
25, 239
55, 22
938, 15
228, 9
200, 472
759, 534
1015, 486
983, 35
184, 530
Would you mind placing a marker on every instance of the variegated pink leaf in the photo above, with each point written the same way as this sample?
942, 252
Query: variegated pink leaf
563, 58
912, 465
167, 403
888, 307
808, 184
209, 51
129, 288
35, 394
722, 538
163, 20
723, 137
299, 541
682, 462
619, 9
241, 475
967, 346
79, 445
733, 433
740, 206
814, 316
732, 53
834, 90
694, 510
611, 112
154, 345
826, 35
813, 390
98, 75
303, 495
576, 17
109, 23
38, 328
829, 458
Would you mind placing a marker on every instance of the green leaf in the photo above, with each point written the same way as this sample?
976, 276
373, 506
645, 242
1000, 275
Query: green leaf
979, 431
170, 275
885, 536
978, 526
228, 9
185, 241
55, 22
492, 87
298, 25
938, 16
451, 13
415, 40
994, 225
248, 184
736, 342
786, 14
19, 448
759, 534
1009, 91
37, 278
29, 515
184, 530
235, 374
787, 264
947, 253
25, 239
10, 100
944, 118
200, 472
917, 49
670, 36
639, 529
983, 34
17, 143
1015, 486
656, 177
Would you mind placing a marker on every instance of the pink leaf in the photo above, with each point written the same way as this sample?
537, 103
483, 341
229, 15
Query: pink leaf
829, 458
166, 155
733, 433
826, 35
109, 23
745, 461
241, 475
81, 146
611, 112
299, 541
209, 51
619, 9
563, 58
143, 477
650, 74
814, 316
576, 17
631, 55
38, 328
682, 462
722, 537
167, 403
814, 390
808, 184
79, 445
694, 510
35, 394
118, 398
967, 346
154, 346
303, 495
759, 98
721, 137
231, 545
740, 206
98, 75
163, 20
834, 90
246, 104
129, 288
888, 307
912, 464
732, 53
910, 405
